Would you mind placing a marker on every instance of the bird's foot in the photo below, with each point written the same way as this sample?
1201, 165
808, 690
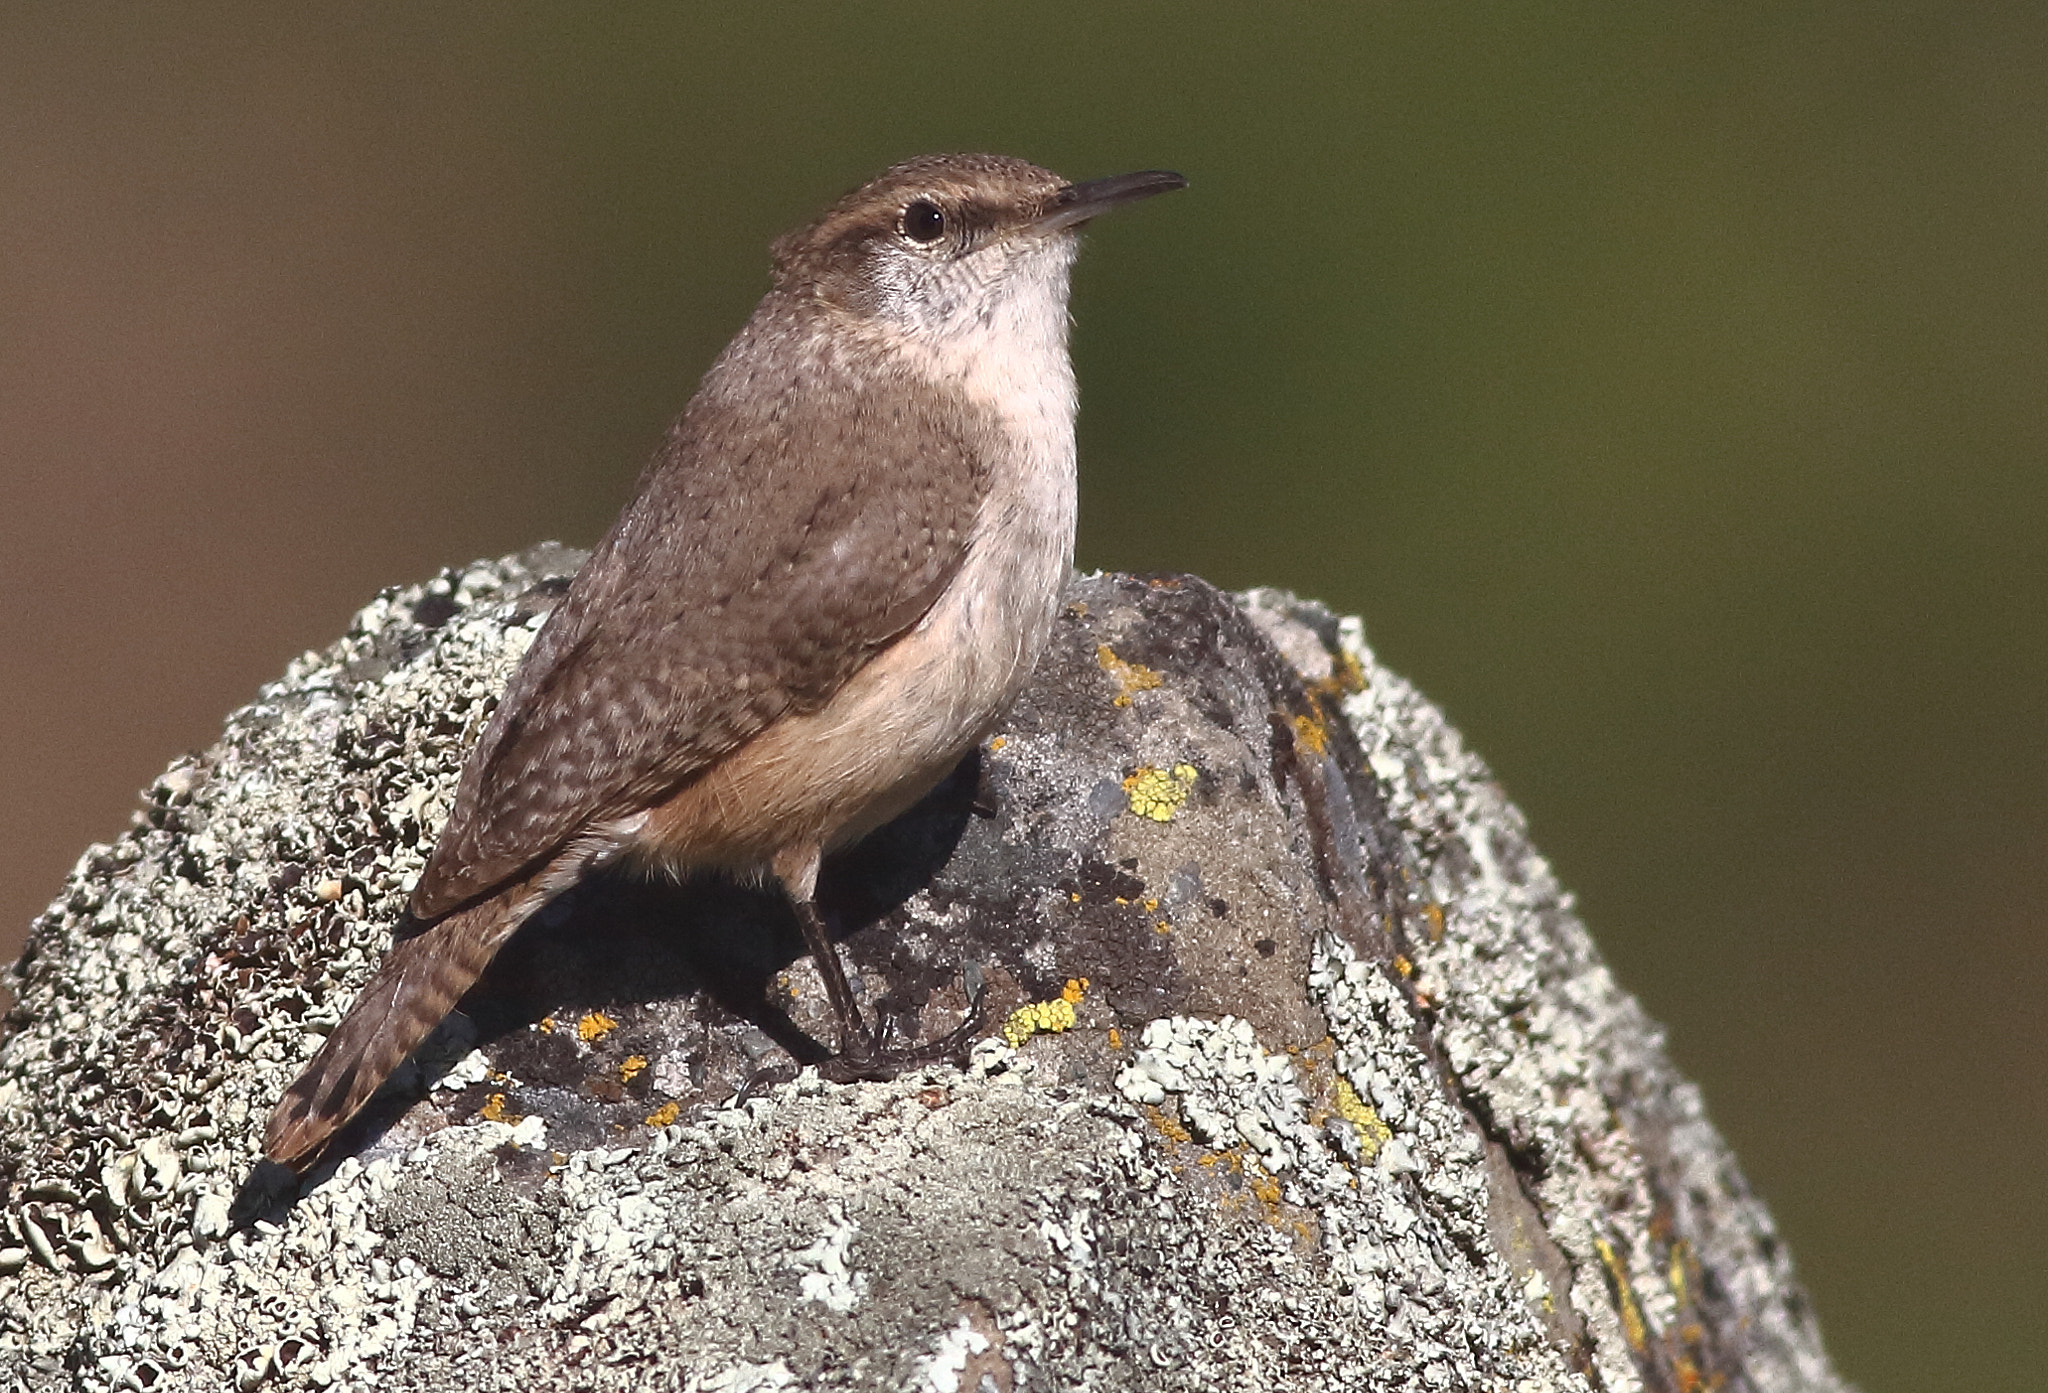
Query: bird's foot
762, 1079
865, 1057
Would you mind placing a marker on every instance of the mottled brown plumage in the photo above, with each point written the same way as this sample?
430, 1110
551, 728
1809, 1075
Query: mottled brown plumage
834, 575
739, 586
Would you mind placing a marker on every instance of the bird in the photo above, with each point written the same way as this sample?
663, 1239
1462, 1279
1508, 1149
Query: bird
834, 576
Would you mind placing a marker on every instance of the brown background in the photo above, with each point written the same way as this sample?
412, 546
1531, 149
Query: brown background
1664, 388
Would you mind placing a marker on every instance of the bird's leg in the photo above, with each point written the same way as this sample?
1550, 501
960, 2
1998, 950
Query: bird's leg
861, 1055
854, 1040
984, 802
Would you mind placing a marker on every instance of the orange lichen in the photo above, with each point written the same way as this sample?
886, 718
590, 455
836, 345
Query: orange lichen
1168, 1126
594, 1026
632, 1067
1129, 677
494, 1110
1434, 912
665, 1114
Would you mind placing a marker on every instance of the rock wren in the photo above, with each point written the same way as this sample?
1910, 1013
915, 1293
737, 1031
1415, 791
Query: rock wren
838, 570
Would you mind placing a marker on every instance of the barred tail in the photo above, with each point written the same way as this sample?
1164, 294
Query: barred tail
412, 990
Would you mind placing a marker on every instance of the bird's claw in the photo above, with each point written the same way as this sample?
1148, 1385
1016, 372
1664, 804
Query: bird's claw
869, 1059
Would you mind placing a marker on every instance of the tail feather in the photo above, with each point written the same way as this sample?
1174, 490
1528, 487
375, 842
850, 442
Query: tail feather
420, 979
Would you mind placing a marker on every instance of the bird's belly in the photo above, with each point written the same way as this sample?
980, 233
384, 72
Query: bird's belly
887, 737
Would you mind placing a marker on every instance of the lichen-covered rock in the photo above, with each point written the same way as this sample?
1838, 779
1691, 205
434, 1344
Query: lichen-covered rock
1299, 1072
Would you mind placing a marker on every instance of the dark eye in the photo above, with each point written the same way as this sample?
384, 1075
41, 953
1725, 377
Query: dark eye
923, 222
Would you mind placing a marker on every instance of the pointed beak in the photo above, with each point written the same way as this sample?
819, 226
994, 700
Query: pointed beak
1077, 203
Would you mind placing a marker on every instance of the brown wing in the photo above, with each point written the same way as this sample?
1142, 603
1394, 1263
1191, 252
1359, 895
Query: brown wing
788, 531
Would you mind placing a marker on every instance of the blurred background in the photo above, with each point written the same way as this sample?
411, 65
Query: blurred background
1662, 383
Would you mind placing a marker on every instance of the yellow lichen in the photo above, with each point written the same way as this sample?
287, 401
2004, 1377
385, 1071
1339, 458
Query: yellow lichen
1029, 1019
1372, 1133
1312, 733
1632, 1324
1681, 1254
1350, 672
1116, 1038
1130, 677
547, 1025
1347, 676
665, 1114
594, 1027
997, 744
1159, 793
494, 1110
633, 1065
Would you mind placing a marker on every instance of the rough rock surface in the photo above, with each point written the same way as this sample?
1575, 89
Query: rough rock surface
1300, 1072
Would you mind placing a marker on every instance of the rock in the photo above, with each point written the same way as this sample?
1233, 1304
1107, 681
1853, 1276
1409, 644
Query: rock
1300, 1071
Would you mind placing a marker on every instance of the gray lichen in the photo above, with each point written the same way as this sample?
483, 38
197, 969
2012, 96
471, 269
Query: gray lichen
1308, 1075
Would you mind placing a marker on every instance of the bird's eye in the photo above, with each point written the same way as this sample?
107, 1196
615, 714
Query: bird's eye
923, 222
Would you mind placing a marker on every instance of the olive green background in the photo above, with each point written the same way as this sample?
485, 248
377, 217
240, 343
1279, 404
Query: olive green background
1662, 383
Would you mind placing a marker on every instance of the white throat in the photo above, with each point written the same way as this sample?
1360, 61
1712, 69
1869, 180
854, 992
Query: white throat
996, 324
